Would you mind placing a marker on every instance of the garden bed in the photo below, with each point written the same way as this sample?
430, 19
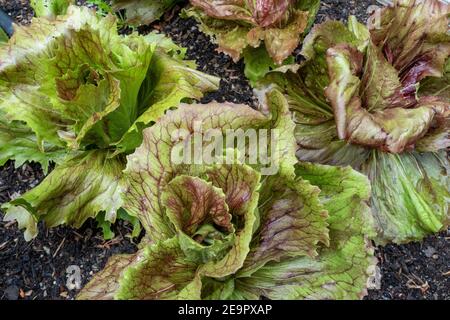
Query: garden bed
37, 269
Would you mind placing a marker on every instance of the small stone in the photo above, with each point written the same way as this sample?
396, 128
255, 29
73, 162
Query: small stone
12, 292
429, 251
46, 249
435, 256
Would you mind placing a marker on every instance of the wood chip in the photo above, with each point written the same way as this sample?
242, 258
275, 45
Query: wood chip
59, 247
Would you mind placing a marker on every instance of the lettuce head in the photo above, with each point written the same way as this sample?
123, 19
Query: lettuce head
142, 12
377, 98
75, 92
227, 228
264, 32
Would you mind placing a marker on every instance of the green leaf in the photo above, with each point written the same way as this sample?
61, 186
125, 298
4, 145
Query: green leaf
17, 142
105, 284
3, 37
258, 63
137, 228
169, 81
342, 270
105, 225
74, 191
50, 8
410, 194
162, 272
144, 12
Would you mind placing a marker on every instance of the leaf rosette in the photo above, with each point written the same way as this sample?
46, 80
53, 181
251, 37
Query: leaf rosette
222, 229
75, 92
264, 32
377, 98
143, 12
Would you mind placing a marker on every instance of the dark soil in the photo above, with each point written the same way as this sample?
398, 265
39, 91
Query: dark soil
37, 269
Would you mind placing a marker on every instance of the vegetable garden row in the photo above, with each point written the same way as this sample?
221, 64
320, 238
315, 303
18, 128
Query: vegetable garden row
347, 148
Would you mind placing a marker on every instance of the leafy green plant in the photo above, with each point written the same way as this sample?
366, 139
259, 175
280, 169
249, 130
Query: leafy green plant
50, 8
224, 230
241, 27
378, 99
75, 92
142, 12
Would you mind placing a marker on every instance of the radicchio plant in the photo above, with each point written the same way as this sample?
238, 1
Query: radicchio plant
378, 100
224, 231
265, 32
75, 92
142, 12
50, 8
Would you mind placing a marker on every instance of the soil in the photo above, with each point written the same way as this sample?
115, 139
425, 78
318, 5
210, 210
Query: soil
38, 269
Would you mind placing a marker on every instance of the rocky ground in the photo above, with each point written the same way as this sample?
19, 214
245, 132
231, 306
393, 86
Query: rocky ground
39, 269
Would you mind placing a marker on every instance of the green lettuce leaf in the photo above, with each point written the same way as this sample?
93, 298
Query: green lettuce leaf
3, 37
341, 271
162, 272
170, 81
140, 12
50, 8
74, 191
106, 283
17, 142
411, 182
106, 225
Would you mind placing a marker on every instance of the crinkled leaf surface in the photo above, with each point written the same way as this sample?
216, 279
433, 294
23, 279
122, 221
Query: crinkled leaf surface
74, 191
150, 168
18, 142
55, 76
341, 271
411, 182
237, 26
162, 272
